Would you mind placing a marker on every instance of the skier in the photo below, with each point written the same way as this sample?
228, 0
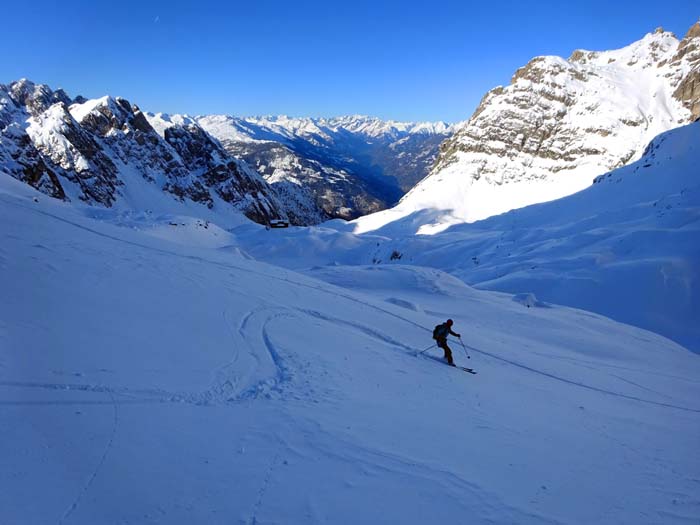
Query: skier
440, 334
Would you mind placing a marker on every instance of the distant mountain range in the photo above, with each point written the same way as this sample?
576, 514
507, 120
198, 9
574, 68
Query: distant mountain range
556, 126
308, 170
346, 166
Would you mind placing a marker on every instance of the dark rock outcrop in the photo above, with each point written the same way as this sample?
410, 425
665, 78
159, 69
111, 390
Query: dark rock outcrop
688, 90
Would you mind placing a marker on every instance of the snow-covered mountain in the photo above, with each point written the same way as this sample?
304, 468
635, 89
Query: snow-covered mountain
159, 369
105, 151
345, 167
628, 247
556, 126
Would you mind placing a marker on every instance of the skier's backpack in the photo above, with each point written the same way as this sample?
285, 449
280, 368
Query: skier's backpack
437, 331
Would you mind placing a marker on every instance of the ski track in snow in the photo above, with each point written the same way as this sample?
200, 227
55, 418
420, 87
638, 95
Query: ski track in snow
108, 447
274, 384
153, 395
225, 382
263, 489
374, 334
469, 494
580, 361
583, 385
223, 391
386, 339
641, 387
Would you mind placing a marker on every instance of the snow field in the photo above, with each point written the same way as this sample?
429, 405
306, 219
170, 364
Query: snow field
148, 379
628, 247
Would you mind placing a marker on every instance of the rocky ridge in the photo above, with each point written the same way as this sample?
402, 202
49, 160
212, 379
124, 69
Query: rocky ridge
86, 149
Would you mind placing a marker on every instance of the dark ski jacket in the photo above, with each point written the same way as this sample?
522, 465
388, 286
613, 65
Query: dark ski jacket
442, 331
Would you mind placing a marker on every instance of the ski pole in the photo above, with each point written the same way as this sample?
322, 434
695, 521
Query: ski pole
465, 348
424, 351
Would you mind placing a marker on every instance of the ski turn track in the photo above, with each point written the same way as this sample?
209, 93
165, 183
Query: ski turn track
257, 369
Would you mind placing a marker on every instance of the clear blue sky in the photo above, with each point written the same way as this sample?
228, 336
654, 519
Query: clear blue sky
406, 60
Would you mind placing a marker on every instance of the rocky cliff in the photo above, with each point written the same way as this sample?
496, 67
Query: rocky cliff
87, 149
557, 125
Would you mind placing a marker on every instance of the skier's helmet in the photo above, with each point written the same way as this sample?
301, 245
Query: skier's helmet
449, 322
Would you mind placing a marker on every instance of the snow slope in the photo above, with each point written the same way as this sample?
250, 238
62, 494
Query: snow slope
628, 247
160, 379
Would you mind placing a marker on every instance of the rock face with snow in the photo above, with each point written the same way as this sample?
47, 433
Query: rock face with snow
626, 247
43, 145
87, 149
687, 63
342, 167
559, 124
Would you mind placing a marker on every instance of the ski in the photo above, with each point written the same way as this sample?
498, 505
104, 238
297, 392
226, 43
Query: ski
442, 361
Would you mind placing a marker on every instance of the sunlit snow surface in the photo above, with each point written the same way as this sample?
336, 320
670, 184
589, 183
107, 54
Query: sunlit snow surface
600, 111
154, 373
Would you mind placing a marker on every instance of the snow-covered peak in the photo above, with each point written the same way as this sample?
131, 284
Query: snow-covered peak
646, 52
35, 98
284, 127
49, 132
81, 110
372, 127
162, 121
554, 128
432, 128
109, 114
104, 152
375, 127
232, 128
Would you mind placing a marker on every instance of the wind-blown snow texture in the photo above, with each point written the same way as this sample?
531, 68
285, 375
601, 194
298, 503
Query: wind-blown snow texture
146, 380
557, 125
